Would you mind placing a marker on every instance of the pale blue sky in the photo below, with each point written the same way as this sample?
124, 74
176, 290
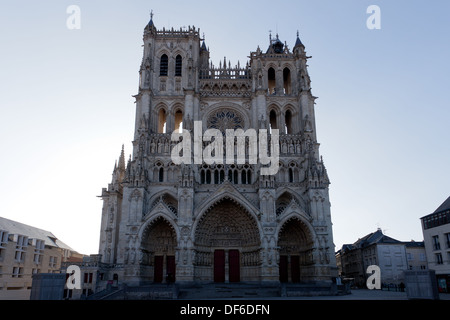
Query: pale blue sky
382, 111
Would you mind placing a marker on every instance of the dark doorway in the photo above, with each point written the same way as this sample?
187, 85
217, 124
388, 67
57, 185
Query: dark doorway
283, 267
295, 269
158, 273
219, 266
234, 266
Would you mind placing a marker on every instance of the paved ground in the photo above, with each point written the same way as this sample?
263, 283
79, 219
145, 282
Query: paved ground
365, 294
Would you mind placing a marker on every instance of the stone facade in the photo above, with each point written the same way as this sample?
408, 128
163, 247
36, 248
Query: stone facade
197, 223
436, 236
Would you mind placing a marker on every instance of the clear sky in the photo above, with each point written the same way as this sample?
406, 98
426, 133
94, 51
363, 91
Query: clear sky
382, 111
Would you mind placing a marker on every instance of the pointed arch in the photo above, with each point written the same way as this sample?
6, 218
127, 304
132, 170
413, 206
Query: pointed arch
296, 242
226, 192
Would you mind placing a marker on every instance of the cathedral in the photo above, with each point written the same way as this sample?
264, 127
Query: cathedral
223, 221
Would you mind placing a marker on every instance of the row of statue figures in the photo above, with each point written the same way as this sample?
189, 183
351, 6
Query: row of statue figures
162, 144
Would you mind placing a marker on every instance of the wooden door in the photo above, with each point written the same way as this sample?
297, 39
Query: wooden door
295, 269
234, 267
158, 269
219, 266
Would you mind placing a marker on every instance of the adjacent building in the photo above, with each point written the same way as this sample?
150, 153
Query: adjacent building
24, 251
391, 255
436, 235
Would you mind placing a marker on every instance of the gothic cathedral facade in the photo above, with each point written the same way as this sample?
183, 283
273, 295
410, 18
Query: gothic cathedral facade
219, 222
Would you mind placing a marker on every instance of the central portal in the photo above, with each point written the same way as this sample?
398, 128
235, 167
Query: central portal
222, 264
227, 244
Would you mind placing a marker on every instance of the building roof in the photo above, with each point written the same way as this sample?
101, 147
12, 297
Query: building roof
14, 227
375, 237
444, 206
414, 244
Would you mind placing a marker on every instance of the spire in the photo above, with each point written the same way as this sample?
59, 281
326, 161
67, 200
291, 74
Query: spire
150, 24
298, 42
151, 18
203, 47
122, 159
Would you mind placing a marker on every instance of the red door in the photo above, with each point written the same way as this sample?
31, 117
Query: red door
158, 272
295, 268
234, 266
170, 269
283, 268
219, 266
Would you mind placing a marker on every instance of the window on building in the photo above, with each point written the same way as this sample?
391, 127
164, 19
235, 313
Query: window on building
202, 177
164, 66
178, 66
20, 248
208, 177
271, 80
3, 238
287, 81
17, 272
439, 258
447, 240
291, 175
243, 177
52, 262
161, 175
179, 121
88, 277
273, 120
162, 121
436, 244
288, 122
38, 251
22, 241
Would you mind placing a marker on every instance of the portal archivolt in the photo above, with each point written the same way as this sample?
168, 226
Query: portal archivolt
227, 229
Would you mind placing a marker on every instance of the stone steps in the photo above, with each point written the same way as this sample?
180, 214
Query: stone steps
229, 291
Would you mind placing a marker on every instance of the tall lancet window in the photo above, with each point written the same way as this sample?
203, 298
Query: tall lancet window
178, 66
287, 81
271, 80
179, 121
164, 65
162, 121
288, 122
273, 121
